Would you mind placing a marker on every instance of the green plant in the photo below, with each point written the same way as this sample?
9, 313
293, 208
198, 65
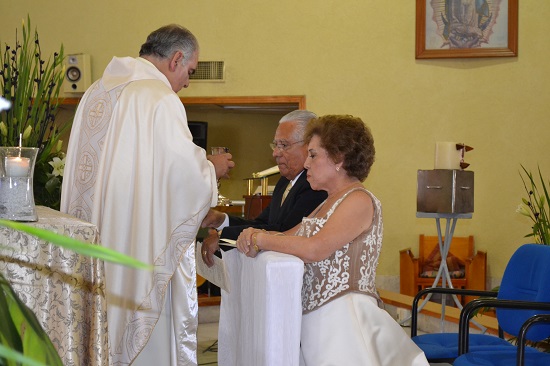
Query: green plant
535, 206
32, 84
21, 331
22, 340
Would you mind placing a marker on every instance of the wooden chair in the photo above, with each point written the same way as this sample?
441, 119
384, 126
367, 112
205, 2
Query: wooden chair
413, 270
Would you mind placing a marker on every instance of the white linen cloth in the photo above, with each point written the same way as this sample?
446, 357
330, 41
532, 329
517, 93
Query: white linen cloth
133, 170
260, 319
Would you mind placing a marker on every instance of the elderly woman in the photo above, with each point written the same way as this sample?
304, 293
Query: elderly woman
340, 241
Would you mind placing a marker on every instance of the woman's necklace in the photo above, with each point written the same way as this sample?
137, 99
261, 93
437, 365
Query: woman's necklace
332, 198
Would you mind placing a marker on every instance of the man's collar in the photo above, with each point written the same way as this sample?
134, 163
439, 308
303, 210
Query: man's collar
293, 181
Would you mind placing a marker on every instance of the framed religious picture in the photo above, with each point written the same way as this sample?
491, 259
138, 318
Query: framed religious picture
466, 28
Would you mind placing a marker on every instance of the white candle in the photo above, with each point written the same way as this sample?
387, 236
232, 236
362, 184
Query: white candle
447, 156
17, 166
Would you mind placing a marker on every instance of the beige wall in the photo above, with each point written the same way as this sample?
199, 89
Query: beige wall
355, 57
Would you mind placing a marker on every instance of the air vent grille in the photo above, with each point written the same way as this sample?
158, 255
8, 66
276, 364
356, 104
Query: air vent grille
209, 71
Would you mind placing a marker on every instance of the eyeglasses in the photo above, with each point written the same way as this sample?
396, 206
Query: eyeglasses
283, 146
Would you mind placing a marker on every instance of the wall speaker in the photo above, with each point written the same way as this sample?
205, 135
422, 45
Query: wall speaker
199, 131
78, 75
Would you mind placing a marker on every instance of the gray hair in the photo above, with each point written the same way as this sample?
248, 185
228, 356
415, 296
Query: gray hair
167, 40
301, 117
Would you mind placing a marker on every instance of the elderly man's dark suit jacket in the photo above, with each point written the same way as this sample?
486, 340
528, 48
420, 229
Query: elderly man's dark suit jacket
300, 202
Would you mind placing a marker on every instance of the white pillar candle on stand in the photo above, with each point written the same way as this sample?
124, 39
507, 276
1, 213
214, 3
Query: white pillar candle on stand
447, 156
17, 166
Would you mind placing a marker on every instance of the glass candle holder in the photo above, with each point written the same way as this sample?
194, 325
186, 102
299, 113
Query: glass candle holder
16, 182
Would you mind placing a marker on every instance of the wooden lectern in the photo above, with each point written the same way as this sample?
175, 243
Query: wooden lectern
254, 205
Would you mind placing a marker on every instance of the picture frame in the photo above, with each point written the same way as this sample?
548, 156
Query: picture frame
466, 28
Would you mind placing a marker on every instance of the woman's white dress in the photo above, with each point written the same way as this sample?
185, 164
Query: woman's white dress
342, 322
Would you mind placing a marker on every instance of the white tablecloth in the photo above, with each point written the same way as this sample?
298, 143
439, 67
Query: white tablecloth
260, 319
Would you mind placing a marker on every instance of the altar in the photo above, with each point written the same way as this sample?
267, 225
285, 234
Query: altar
65, 290
261, 316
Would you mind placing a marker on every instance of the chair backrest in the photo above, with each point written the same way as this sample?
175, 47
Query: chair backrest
461, 247
527, 278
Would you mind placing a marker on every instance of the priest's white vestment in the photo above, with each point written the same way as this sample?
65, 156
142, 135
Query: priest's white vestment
133, 170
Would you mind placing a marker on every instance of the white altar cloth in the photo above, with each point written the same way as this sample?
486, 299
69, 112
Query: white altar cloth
260, 319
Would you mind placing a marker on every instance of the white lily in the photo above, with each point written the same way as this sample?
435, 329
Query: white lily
523, 210
58, 166
4, 104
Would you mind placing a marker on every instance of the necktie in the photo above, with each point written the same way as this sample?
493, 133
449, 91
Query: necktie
285, 193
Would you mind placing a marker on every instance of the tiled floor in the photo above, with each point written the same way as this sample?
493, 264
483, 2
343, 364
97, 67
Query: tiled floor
207, 338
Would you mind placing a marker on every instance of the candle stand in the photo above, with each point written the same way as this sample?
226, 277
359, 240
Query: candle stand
16, 182
444, 245
445, 194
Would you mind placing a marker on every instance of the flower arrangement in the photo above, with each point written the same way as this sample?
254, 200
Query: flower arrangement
32, 85
535, 206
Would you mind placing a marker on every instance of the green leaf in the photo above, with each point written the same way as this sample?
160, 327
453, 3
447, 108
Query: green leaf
32, 81
11, 354
35, 342
81, 247
52, 184
8, 332
537, 203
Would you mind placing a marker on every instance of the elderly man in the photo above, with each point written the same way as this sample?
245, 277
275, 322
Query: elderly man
133, 170
292, 199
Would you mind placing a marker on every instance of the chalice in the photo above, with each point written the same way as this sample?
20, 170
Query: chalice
222, 200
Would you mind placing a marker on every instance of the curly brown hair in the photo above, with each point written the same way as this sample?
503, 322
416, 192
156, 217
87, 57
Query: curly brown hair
346, 139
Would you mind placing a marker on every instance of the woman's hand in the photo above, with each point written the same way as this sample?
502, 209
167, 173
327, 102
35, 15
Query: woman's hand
247, 240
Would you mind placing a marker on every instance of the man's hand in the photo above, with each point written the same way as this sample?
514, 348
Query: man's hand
213, 219
209, 247
222, 164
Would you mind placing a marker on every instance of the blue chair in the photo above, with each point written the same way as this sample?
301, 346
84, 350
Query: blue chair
519, 357
525, 288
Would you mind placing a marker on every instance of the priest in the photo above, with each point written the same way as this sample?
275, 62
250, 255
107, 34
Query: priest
133, 170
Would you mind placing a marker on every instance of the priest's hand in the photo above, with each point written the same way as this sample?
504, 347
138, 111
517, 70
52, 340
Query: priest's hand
213, 219
209, 246
222, 164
